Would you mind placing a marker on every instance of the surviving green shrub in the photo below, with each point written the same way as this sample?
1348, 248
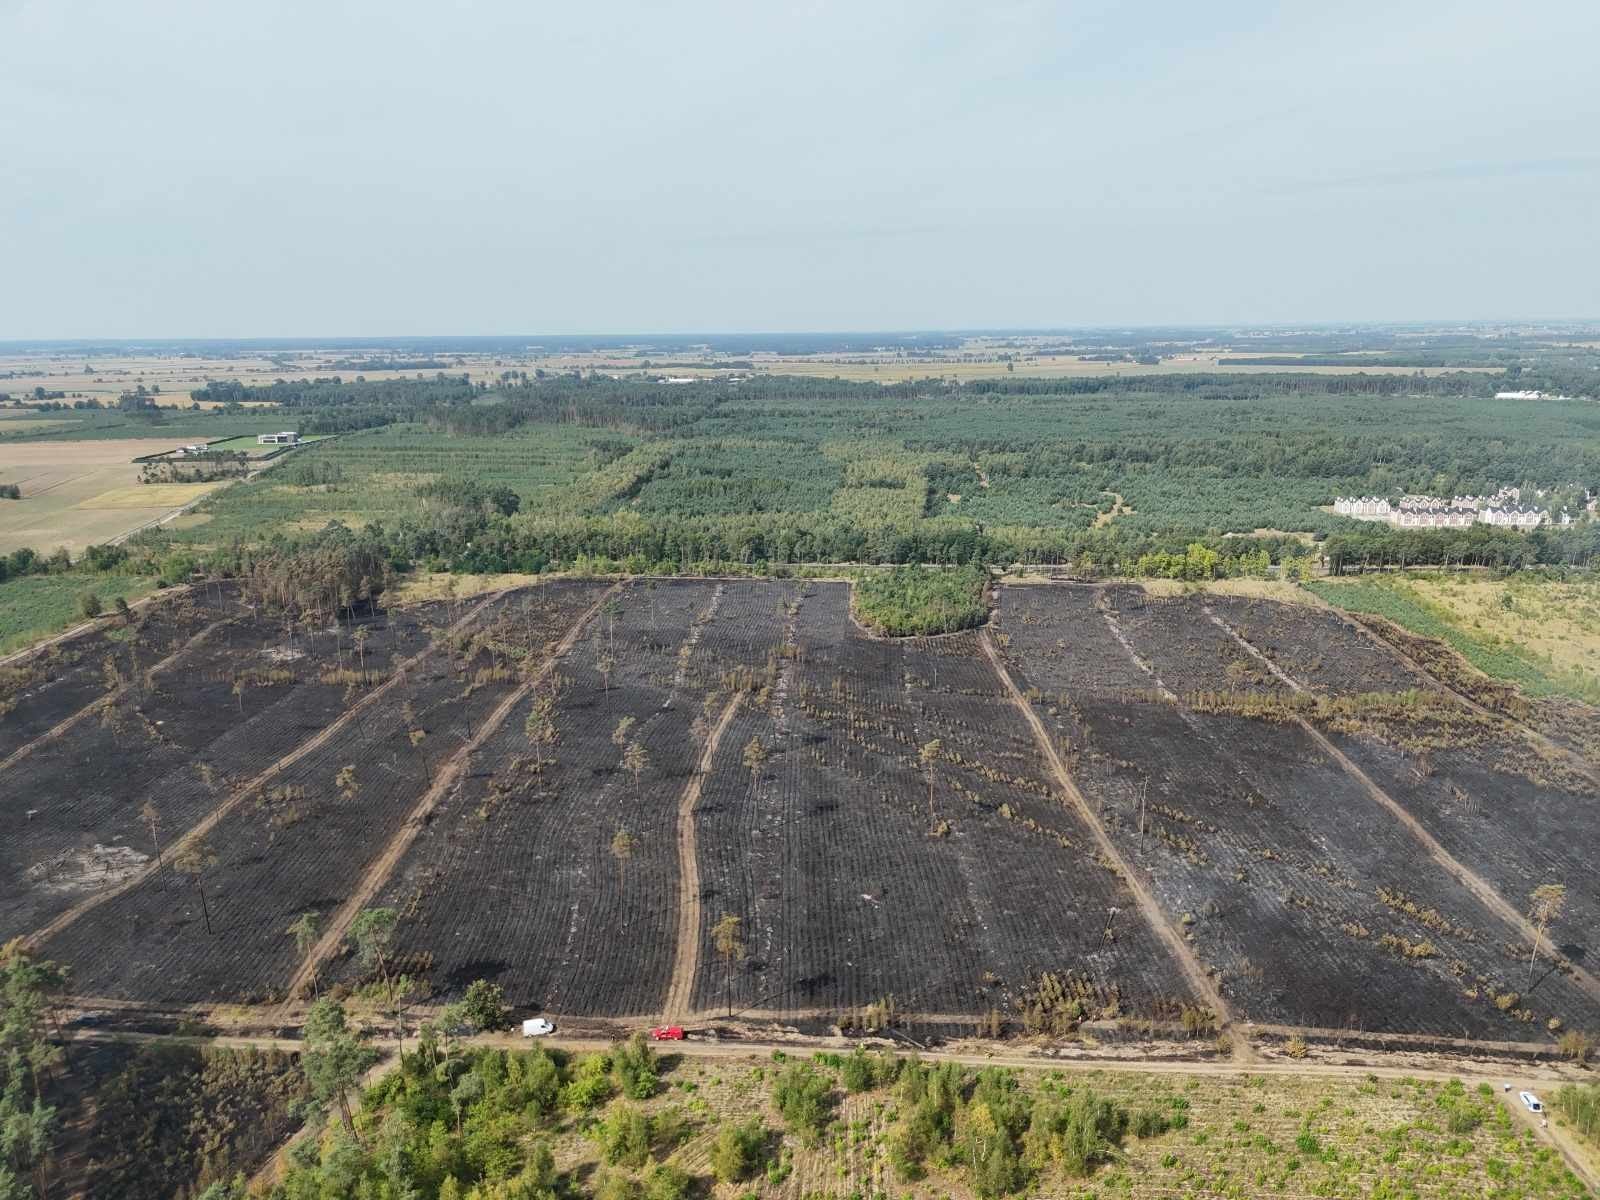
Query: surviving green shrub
805, 1098
634, 1064
739, 1152
590, 1085
624, 1136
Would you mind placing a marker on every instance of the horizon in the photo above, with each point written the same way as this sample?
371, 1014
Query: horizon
621, 336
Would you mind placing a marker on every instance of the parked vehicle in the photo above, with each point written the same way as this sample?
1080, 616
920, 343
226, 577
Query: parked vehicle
537, 1027
1533, 1102
667, 1033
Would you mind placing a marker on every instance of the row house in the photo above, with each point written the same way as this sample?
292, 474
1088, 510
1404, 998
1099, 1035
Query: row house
1363, 508
1514, 517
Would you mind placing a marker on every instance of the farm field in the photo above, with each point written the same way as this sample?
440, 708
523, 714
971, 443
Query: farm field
571, 791
77, 494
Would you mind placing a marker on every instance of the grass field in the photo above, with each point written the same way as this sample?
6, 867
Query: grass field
37, 605
1542, 636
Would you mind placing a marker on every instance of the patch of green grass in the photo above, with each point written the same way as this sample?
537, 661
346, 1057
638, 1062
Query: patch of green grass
35, 606
1393, 600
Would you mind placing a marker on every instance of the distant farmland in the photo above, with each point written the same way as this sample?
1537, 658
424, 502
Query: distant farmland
1191, 811
76, 494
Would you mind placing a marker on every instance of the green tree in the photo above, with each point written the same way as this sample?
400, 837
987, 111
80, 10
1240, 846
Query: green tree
373, 932
727, 936
483, 1007
334, 1060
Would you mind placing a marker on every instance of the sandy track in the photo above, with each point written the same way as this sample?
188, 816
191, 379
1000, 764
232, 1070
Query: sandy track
1199, 980
210, 821
377, 874
686, 961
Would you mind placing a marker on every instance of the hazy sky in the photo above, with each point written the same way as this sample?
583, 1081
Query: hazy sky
323, 168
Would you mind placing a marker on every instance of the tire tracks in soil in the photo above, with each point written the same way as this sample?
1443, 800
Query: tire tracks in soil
686, 960
1199, 980
1475, 884
213, 818
99, 702
378, 872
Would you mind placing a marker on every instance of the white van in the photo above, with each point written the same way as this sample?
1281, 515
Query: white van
537, 1027
1533, 1102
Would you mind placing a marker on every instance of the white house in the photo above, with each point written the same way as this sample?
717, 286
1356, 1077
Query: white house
287, 438
1514, 517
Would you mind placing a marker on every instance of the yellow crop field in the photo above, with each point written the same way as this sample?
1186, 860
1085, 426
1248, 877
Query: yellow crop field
149, 495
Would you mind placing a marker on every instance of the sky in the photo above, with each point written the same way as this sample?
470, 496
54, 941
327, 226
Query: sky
199, 169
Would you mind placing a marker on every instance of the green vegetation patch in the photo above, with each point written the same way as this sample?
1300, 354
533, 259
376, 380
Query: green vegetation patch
910, 601
1395, 601
34, 606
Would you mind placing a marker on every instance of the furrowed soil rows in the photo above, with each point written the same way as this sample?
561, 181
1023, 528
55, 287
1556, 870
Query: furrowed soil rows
1316, 646
1505, 805
40, 691
179, 745
297, 845
855, 886
1516, 833
1200, 657
520, 878
1311, 901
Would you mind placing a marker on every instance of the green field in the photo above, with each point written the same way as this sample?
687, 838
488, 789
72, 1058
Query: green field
1543, 637
34, 606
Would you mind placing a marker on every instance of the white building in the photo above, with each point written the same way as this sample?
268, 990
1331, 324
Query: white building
287, 438
1504, 508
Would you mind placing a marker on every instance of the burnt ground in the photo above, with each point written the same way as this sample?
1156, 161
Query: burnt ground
514, 880
1313, 903
1310, 901
853, 890
178, 744
43, 689
298, 845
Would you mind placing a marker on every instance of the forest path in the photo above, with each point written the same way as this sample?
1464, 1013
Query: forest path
686, 960
251, 786
1204, 989
1481, 888
378, 872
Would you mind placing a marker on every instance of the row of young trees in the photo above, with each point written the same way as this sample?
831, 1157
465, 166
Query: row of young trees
29, 1058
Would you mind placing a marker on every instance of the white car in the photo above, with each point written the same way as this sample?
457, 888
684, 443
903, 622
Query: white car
1533, 1102
537, 1027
